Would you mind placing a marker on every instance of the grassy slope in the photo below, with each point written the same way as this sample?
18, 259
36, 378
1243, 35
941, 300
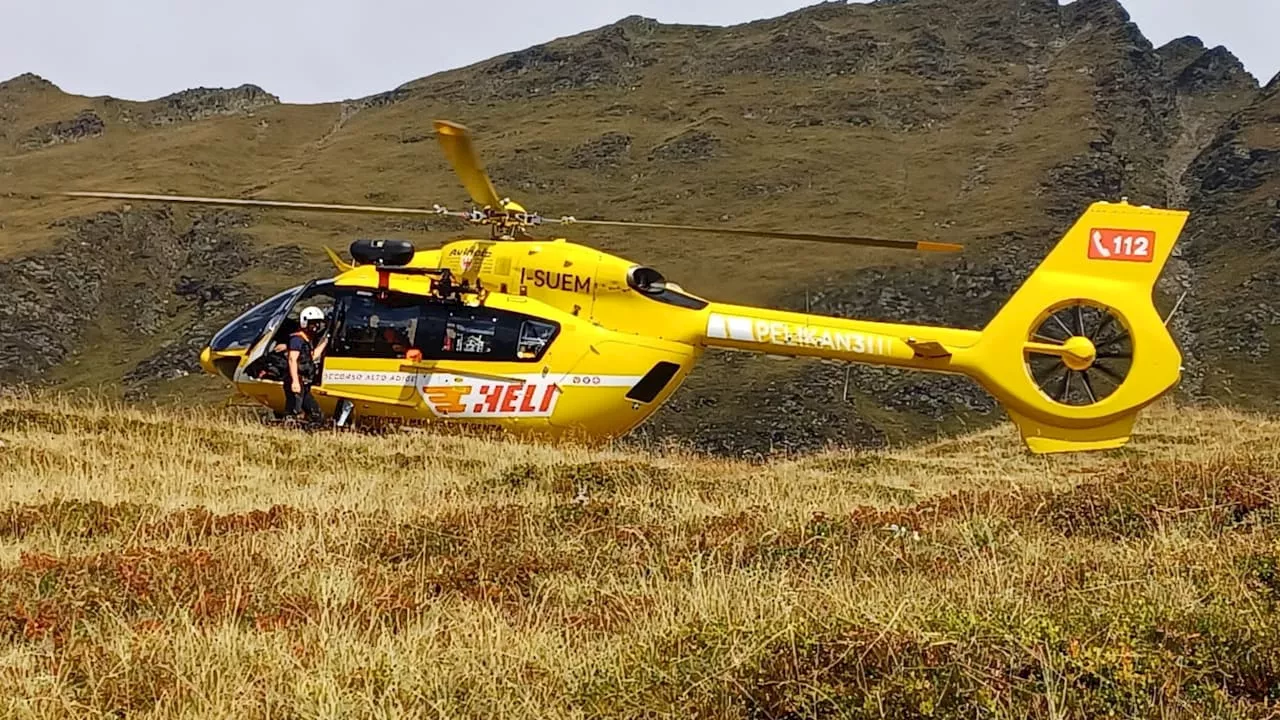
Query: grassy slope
200, 565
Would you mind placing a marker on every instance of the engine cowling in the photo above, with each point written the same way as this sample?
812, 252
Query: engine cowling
382, 253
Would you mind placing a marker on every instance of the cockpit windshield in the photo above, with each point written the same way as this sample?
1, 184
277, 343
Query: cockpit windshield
244, 330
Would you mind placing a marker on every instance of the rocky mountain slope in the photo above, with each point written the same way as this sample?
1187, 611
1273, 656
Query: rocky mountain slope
987, 122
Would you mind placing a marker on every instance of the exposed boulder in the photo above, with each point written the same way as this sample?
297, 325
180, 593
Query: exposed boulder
689, 146
86, 124
1179, 53
1213, 71
610, 150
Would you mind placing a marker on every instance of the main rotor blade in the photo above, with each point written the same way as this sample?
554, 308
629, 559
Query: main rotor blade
323, 207
811, 237
387, 210
455, 140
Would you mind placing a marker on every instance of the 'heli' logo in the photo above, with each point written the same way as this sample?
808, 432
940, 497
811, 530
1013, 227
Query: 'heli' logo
1130, 245
494, 400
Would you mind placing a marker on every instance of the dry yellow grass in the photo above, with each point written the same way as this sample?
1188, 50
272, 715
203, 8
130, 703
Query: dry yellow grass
171, 564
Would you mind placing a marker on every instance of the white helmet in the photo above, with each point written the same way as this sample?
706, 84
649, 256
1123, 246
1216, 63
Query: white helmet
311, 314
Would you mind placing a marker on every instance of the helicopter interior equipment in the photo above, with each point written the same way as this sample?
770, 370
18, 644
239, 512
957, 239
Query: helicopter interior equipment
552, 337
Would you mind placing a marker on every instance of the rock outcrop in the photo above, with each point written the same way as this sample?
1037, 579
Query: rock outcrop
1233, 239
120, 283
201, 103
86, 124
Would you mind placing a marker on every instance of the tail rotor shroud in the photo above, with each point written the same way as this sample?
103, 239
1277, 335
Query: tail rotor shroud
1093, 358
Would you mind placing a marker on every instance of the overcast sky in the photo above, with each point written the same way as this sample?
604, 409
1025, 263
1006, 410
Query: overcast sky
326, 50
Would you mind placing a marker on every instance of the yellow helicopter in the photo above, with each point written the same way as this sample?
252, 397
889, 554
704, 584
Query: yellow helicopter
555, 338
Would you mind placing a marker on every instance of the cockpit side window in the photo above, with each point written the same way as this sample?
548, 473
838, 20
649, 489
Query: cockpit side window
321, 294
245, 330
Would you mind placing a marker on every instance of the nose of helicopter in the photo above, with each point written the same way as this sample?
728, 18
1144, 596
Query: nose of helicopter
222, 364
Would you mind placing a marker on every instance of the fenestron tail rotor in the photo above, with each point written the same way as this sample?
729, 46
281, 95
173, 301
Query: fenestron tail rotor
507, 219
1080, 354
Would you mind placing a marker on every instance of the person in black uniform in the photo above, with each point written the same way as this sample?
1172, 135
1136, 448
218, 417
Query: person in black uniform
303, 355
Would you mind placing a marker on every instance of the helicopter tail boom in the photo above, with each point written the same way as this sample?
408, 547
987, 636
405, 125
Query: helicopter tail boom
778, 332
1073, 356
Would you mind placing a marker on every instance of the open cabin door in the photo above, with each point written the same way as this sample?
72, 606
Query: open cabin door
372, 338
284, 321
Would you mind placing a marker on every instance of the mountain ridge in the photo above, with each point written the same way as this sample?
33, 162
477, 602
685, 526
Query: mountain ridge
1110, 10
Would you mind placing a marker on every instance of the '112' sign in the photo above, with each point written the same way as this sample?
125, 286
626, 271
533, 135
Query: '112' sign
1131, 245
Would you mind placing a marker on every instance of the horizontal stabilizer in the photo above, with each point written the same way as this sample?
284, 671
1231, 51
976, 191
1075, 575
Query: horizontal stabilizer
928, 348
337, 261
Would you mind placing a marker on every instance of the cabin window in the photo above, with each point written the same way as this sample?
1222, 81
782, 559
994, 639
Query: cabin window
491, 334
535, 336
369, 326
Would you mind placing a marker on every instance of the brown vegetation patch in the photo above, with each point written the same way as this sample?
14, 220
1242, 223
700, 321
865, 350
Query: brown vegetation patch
20, 458
198, 524
599, 476
858, 464
99, 678
825, 668
606, 612
1132, 500
71, 518
416, 541
1142, 496
48, 596
19, 419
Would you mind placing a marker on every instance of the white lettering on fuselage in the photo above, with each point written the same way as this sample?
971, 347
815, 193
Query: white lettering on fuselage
780, 333
775, 332
454, 395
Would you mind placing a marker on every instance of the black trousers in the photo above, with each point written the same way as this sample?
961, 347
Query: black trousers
298, 403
